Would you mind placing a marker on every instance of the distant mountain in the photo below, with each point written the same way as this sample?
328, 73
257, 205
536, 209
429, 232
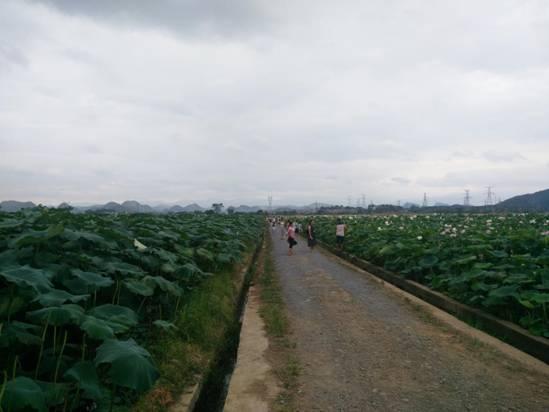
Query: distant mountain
532, 202
193, 207
131, 206
15, 206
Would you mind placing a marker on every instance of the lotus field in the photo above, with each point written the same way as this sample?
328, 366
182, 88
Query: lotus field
81, 294
499, 263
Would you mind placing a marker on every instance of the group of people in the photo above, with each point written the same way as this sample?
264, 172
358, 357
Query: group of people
289, 229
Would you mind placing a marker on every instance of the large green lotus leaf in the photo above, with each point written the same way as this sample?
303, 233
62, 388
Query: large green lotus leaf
10, 224
165, 255
119, 318
465, 260
28, 276
56, 297
85, 374
204, 254
504, 292
21, 332
122, 268
97, 328
8, 258
23, 394
519, 278
163, 284
54, 393
167, 268
15, 303
139, 287
93, 281
498, 254
130, 364
189, 269
59, 315
540, 297
90, 237
76, 285
185, 252
39, 236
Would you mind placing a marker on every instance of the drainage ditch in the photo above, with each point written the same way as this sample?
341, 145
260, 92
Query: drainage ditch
216, 384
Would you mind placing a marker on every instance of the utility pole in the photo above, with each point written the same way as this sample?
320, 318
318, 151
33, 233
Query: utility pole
467, 199
489, 197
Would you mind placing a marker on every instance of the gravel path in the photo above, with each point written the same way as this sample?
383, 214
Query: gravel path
363, 347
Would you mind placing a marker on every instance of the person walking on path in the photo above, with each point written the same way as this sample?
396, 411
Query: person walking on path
291, 238
311, 239
340, 233
282, 229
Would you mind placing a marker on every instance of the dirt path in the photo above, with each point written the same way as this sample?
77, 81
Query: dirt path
363, 347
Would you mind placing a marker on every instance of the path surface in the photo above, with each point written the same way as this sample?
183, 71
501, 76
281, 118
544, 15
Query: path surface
363, 347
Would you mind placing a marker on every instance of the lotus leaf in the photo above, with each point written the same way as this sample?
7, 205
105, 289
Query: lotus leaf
130, 364
21, 393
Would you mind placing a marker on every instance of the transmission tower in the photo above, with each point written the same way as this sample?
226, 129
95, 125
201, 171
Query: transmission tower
489, 197
363, 201
270, 201
425, 203
349, 201
467, 198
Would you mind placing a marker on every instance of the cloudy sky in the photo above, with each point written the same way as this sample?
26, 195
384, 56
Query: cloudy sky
307, 100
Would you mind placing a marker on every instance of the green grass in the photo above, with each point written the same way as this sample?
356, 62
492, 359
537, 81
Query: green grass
183, 356
272, 308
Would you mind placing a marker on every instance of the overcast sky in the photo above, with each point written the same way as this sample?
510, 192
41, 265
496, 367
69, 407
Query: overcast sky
215, 100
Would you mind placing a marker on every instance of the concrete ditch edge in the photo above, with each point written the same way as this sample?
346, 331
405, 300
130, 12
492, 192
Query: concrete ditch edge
510, 333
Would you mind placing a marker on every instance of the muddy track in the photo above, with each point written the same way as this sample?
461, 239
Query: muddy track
363, 347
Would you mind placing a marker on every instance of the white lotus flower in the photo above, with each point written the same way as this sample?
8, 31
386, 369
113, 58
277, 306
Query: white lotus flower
419, 237
140, 246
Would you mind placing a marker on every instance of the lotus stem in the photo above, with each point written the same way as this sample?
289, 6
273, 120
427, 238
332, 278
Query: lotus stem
177, 302
76, 398
41, 348
95, 297
60, 357
83, 346
54, 339
3, 389
141, 304
112, 397
115, 291
15, 366
10, 302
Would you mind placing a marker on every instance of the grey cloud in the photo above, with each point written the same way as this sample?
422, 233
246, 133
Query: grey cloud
217, 17
502, 157
10, 55
401, 180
